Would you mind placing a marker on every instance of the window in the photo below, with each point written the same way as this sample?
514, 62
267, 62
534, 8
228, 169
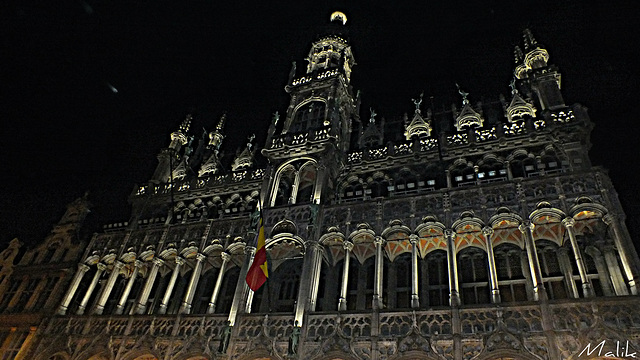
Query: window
435, 280
308, 117
511, 279
46, 293
473, 274
9, 293
14, 346
552, 274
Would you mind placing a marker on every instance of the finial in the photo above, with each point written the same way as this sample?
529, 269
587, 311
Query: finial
529, 37
339, 16
223, 118
184, 127
463, 93
518, 54
250, 143
372, 119
276, 118
417, 102
512, 85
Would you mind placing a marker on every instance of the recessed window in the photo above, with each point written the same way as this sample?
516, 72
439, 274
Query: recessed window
553, 164
529, 167
411, 185
492, 173
470, 177
349, 193
481, 175
400, 186
359, 192
432, 182
503, 172
367, 191
458, 178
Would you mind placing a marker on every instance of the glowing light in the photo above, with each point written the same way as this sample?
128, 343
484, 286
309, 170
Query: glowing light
338, 15
112, 88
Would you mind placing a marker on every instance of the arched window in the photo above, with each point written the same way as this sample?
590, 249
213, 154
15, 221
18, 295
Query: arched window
285, 185
280, 292
379, 188
399, 284
550, 163
434, 280
307, 180
551, 259
523, 166
361, 281
205, 289
462, 176
473, 275
308, 117
509, 267
492, 170
227, 290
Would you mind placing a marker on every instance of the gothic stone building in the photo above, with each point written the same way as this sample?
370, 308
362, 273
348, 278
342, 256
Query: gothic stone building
477, 232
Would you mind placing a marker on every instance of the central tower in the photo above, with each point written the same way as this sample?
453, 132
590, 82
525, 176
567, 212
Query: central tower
307, 148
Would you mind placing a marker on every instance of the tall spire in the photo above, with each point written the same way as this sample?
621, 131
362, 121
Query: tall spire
179, 137
212, 164
216, 136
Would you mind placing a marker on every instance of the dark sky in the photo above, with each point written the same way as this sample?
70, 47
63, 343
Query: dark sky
65, 131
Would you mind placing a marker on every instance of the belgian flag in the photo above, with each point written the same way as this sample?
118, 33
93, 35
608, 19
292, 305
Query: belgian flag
258, 273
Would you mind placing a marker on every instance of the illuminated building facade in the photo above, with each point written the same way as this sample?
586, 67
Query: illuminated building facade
477, 232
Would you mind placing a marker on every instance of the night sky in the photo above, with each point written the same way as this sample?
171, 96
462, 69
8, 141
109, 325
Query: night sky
91, 90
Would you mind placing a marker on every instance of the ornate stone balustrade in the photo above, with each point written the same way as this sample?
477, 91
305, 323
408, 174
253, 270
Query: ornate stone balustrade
468, 330
199, 183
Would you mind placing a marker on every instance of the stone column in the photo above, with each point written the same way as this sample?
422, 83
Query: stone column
185, 308
106, 291
377, 280
539, 292
241, 301
587, 288
309, 279
127, 289
625, 249
216, 290
92, 286
493, 272
75, 282
614, 269
172, 283
415, 298
141, 307
454, 291
342, 302
601, 267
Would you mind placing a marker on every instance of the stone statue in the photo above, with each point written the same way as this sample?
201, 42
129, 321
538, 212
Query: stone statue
276, 118
224, 337
373, 115
255, 217
512, 85
417, 102
315, 208
294, 338
463, 93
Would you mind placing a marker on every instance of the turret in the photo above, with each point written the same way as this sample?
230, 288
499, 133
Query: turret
169, 158
536, 76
